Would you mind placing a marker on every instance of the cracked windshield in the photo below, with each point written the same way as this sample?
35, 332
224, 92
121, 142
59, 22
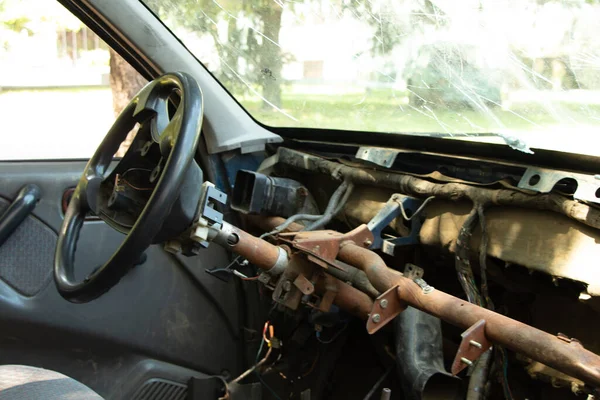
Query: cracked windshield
522, 72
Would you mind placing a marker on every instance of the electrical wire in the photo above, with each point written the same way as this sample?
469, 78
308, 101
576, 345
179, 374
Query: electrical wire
289, 221
262, 381
254, 367
378, 383
483, 259
257, 364
135, 169
337, 201
121, 178
334, 337
228, 266
418, 211
312, 366
505, 386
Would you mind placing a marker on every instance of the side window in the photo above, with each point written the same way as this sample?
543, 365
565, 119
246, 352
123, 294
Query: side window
61, 86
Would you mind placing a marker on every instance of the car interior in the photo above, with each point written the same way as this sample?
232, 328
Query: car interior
220, 257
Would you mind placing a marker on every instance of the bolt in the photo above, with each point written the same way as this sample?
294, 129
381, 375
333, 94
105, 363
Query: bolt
376, 318
383, 303
466, 361
386, 394
287, 286
476, 344
367, 243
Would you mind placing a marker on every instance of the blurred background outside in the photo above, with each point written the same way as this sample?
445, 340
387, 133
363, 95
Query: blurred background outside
528, 69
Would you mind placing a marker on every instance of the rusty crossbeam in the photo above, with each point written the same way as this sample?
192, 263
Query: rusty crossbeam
567, 356
265, 255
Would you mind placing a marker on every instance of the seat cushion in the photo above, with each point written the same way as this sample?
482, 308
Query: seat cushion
20, 382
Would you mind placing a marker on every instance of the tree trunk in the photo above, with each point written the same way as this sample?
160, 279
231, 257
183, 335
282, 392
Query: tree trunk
125, 83
271, 63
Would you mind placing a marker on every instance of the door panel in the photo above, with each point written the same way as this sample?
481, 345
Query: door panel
166, 314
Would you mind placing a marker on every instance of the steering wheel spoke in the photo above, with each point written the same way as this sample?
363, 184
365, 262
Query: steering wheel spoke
141, 196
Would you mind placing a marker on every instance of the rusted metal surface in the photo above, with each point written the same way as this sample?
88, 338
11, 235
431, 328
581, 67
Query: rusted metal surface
415, 186
304, 285
329, 294
262, 253
568, 357
473, 344
340, 270
267, 223
353, 301
385, 308
286, 292
258, 251
325, 245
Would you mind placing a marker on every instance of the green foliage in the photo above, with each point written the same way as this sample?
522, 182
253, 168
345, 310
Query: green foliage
18, 16
249, 52
446, 76
9, 21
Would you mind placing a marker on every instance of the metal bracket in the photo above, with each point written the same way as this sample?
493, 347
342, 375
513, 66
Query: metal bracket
322, 247
385, 308
386, 215
474, 343
378, 155
543, 181
304, 285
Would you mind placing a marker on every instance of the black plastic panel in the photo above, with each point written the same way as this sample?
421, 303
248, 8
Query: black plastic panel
25, 268
165, 309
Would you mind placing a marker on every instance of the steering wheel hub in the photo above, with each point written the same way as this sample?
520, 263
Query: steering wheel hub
151, 194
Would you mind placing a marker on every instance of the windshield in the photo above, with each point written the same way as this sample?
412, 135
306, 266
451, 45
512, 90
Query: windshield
521, 72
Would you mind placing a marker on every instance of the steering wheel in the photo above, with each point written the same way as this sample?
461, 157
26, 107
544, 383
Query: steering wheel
152, 193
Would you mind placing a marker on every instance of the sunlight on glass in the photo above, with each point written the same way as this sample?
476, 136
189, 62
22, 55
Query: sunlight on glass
521, 72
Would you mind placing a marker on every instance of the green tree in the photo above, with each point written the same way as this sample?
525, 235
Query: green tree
249, 53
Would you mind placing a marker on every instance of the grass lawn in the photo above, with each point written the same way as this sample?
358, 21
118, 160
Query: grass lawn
384, 112
70, 123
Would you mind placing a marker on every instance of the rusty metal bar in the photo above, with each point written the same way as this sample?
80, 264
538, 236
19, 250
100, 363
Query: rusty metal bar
268, 223
345, 273
353, 301
267, 256
258, 251
563, 354
414, 186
